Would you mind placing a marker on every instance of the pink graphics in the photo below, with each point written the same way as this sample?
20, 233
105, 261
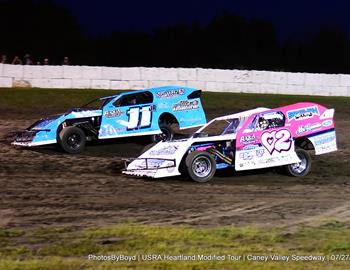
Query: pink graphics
270, 137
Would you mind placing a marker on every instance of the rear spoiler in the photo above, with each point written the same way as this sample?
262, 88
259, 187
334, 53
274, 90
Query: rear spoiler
195, 94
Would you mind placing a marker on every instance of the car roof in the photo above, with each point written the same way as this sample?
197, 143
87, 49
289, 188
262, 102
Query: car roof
242, 114
152, 90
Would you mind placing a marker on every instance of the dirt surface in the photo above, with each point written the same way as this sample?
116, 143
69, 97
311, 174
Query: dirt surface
41, 187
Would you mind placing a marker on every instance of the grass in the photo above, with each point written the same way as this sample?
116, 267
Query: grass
68, 248
56, 100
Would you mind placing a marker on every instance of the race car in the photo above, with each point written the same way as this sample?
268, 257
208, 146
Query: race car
136, 113
253, 139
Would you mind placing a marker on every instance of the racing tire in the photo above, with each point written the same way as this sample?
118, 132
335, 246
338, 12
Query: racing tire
166, 135
72, 140
301, 168
200, 166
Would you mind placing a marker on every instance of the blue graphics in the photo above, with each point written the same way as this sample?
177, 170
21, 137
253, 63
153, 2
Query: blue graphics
303, 113
140, 112
133, 113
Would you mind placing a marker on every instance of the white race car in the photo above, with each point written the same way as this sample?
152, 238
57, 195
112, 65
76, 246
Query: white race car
252, 139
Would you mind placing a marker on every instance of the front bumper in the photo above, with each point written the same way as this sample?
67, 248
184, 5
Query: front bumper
148, 167
27, 138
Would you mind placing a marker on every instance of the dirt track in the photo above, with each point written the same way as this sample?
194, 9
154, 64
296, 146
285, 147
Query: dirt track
46, 187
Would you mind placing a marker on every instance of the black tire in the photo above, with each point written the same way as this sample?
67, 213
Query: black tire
166, 135
200, 166
72, 140
302, 168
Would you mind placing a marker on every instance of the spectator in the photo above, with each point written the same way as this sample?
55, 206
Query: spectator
16, 61
65, 61
28, 60
3, 59
46, 61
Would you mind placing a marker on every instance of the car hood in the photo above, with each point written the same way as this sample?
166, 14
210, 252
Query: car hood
46, 123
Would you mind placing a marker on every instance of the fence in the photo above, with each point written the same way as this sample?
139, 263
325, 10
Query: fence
217, 80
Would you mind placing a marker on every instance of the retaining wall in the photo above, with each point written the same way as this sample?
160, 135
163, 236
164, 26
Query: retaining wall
217, 80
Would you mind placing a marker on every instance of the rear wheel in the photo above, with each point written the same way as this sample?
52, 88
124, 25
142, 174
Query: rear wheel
200, 166
166, 135
301, 168
72, 140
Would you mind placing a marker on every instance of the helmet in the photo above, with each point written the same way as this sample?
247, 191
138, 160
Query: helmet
263, 124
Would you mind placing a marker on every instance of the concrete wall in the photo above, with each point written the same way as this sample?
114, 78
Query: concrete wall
248, 81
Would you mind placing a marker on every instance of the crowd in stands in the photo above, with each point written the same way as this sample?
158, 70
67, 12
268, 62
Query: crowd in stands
28, 60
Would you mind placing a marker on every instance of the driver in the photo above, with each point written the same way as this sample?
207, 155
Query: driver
263, 124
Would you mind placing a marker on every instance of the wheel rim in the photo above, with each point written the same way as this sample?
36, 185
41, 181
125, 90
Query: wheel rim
300, 166
201, 166
74, 141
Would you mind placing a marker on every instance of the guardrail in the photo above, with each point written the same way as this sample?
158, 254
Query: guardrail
217, 80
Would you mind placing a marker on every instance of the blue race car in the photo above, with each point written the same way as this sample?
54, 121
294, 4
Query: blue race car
136, 113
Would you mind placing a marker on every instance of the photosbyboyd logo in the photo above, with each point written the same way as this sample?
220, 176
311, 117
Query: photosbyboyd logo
303, 113
112, 257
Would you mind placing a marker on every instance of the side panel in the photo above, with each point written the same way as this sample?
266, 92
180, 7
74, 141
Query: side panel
188, 111
324, 143
256, 148
131, 120
308, 118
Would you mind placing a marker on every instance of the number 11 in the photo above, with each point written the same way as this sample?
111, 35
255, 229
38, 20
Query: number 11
139, 117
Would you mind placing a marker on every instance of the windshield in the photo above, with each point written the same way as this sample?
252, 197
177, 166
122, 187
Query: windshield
222, 127
96, 104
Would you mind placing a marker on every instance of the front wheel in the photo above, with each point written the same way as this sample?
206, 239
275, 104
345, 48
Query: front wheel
200, 166
72, 140
166, 135
301, 168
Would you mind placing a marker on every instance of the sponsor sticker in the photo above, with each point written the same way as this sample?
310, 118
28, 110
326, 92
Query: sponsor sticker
308, 128
248, 139
303, 113
170, 93
113, 113
327, 123
185, 105
167, 150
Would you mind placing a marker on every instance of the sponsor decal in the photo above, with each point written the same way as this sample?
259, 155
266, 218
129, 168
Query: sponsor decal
308, 128
113, 113
248, 139
250, 147
85, 113
246, 155
167, 150
276, 140
325, 139
327, 123
303, 113
109, 130
170, 93
259, 152
184, 105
